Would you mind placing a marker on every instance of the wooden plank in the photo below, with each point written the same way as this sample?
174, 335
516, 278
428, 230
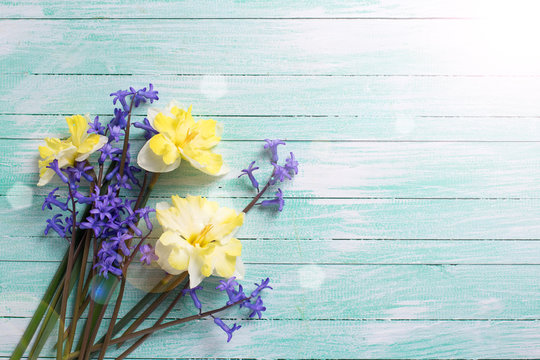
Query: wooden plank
364, 127
334, 340
331, 169
167, 9
284, 95
269, 47
331, 252
338, 292
356, 219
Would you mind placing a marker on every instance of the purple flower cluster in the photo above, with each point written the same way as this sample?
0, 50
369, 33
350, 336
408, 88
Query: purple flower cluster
272, 146
236, 295
137, 96
96, 128
280, 173
149, 131
229, 331
193, 294
148, 254
114, 222
249, 172
277, 201
112, 218
71, 176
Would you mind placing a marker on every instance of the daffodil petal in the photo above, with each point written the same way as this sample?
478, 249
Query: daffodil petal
90, 145
208, 134
45, 177
194, 270
239, 271
165, 125
195, 212
78, 126
205, 161
226, 221
233, 248
149, 161
162, 205
179, 259
163, 249
66, 157
198, 236
170, 238
161, 145
173, 220
45, 152
225, 258
151, 115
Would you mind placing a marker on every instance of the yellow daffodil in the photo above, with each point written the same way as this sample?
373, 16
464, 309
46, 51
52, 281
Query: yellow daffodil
199, 238
78, 147
179, 136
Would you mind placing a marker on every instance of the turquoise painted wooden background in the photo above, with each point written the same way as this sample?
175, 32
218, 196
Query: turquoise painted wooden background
413, 229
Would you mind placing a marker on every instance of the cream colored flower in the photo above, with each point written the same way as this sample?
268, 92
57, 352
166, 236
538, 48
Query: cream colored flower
179, 136
199, 238
78, 147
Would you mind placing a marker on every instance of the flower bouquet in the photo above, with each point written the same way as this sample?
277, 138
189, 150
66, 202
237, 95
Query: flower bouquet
101, 210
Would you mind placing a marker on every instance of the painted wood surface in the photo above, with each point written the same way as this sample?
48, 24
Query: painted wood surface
323, 128
306, 46
411, 291
386, 96
340, 170
412, 230
193, 9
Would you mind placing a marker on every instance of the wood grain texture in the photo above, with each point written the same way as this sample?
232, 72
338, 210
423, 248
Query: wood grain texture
387, 96
360, 128
412, 229
285, 47
326, 338
306, 218
332, 251
165, 9
458, 292
334, 169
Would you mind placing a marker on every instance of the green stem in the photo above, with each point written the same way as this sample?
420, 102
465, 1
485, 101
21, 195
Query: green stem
49, 322
51, 313
127, 261
96, 321
67, 278
113, 319
83, 341
139, 306
258, 196
159, 321
154, 305
76, 305
44, 304
166, 325
126, 140
81, 311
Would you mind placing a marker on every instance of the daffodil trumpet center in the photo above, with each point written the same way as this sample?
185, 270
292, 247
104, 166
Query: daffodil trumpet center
201, 239
190, 135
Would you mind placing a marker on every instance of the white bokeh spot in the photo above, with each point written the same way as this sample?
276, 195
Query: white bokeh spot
20, 196
311, 276
214, 86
